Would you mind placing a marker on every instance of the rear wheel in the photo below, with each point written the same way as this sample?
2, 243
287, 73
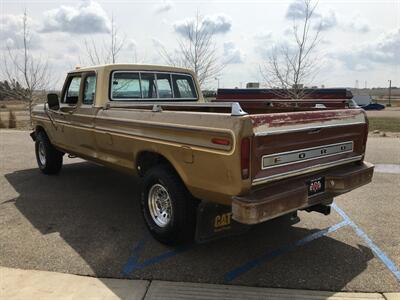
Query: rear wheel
168, 208
49, 159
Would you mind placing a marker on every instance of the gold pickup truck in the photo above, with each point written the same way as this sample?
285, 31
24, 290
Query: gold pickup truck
205, 167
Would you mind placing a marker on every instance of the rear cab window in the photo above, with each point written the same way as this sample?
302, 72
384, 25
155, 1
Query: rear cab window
126, 86
144, 85
183, 86
148, 85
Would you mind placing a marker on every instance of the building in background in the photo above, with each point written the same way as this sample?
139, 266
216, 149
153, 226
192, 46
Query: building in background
252, 85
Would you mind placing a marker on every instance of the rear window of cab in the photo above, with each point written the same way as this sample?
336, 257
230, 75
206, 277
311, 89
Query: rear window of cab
139, 86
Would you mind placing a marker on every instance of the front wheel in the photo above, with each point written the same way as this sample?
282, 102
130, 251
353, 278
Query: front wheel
49, 159
168, 208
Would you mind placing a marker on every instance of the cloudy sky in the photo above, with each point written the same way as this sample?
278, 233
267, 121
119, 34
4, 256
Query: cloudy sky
360, 39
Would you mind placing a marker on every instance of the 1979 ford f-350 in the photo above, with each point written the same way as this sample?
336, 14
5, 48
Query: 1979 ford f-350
205, 167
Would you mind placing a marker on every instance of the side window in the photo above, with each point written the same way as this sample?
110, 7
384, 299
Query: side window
125, 86
89, 89
72, 94
183, 87
164, 86
148, 85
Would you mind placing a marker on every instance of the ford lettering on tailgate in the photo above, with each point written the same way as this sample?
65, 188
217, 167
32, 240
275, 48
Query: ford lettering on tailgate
297, 156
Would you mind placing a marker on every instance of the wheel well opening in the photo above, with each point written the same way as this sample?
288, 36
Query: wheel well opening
146, 160
40, 129
37, 130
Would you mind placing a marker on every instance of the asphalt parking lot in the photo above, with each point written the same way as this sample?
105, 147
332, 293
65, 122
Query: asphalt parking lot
87, 221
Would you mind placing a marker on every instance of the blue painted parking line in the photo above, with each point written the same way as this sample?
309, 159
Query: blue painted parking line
133, 263
378, 252
231, 275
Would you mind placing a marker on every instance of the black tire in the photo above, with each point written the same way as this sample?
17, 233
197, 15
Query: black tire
181, 226
49, 159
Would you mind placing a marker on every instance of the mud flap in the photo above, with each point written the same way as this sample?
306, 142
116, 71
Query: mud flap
33, 135
215, 221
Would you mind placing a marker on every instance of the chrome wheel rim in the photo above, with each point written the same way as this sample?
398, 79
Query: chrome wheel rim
42, 153
159, 203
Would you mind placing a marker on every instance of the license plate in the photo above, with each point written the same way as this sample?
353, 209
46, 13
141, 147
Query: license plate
316, 185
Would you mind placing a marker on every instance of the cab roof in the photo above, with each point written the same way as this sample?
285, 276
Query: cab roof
132, 67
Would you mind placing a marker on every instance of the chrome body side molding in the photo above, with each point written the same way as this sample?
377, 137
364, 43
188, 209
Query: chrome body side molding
308, 128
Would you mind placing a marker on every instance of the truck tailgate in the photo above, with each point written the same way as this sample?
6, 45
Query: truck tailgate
290, 144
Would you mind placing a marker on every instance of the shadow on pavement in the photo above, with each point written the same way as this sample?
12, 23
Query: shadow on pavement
96, 212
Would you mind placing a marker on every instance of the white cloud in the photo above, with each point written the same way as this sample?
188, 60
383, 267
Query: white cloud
296, 10
324, 20
232, 54
364, 56
164, 6
358, 24
130, 45
264, 44
157, 43
182, 26
88, 17
218, 24
327, 19
11, 31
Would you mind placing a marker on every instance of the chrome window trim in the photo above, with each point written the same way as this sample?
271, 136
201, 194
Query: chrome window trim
310, 169
172, 86
155, 77
156, 84
265, 133
305, 149
140, 85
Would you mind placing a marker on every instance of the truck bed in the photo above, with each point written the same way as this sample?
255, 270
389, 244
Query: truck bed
322, 138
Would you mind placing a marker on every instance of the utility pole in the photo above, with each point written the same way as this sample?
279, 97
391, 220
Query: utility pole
217, 78
390, 93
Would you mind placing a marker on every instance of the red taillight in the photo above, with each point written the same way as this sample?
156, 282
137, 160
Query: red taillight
365, 133
219, 141
245, 158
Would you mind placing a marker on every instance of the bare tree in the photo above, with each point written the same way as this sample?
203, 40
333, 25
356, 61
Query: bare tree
289, 68
109, 51
197, 50
26, 76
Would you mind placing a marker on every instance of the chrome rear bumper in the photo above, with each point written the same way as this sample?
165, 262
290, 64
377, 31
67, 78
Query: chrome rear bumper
282, 197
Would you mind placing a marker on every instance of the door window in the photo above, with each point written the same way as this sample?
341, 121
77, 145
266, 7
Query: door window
72, 93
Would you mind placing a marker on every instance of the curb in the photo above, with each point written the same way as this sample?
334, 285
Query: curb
31, 284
